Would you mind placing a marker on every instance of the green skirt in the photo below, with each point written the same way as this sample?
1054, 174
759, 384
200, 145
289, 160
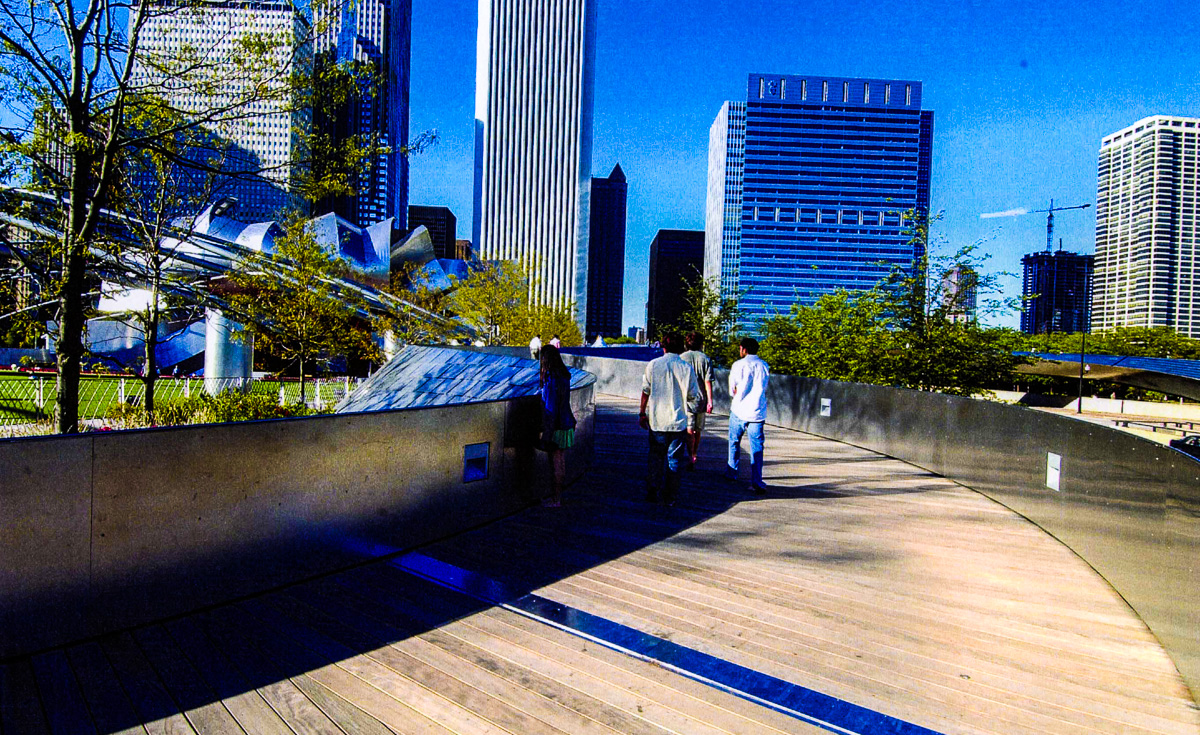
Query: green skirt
564, 438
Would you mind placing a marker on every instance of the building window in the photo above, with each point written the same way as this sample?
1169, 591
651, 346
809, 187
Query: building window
866, 93
907, 94
824, 91
887, 94
783, 89
803, 89
762, 87
845, 92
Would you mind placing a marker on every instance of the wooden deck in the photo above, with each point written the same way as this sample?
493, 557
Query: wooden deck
858, 576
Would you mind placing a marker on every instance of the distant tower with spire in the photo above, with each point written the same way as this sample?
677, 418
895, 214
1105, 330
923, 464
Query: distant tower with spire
606, 255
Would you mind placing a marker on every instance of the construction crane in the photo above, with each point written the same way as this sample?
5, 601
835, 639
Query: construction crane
1049, 217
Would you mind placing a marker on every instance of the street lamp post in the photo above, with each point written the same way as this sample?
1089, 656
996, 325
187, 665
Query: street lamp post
1082, 356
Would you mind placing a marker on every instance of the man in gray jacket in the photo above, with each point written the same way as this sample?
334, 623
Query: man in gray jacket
670, 395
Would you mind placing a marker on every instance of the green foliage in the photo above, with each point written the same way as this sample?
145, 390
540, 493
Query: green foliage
1129, 341
844, 336
225, 407
290, 306
494, 303
422, 315
913, 330
714, 316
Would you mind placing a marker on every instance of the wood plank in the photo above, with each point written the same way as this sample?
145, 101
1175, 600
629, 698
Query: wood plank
107, 701
188, 689
266, 675
241, 698
489, 675
449, 682
731, 713
158, 712
66, 710
20, 705
433, 705
544, 677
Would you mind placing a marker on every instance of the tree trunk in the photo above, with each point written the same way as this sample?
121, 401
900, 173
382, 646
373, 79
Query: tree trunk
150, 364
303, 402
70, 338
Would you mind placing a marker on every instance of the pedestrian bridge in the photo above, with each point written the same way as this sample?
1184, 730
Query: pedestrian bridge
863, 594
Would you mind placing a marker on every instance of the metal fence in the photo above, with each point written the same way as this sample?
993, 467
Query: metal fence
27, 399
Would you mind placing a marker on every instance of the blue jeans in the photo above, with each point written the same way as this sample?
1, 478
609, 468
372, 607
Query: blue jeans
754, 429
668, 450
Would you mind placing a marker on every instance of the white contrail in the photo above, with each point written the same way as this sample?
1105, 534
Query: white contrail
1005, 213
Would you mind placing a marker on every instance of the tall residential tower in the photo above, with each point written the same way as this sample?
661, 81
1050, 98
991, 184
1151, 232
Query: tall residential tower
533, 141
808, 181
1147, 265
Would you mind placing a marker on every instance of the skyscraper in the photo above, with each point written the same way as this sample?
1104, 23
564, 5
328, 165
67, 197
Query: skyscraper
375, 33
533, 141
676, 259
808, 180
606, 255
960, 293
1147, 263
442, 226
1057, 289
264, 137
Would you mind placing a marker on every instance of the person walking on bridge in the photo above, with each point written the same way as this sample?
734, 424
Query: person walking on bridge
703, 367
669, 395
748, 412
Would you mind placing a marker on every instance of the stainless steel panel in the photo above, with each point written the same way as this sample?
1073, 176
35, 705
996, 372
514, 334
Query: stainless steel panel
45, 519
105, 531
1127, 506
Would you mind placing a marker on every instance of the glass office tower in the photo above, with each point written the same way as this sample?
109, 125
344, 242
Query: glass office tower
808, 182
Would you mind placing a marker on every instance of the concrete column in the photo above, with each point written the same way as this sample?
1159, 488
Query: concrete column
228, 362
390, 345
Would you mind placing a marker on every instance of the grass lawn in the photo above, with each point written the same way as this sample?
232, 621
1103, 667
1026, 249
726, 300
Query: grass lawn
25, 398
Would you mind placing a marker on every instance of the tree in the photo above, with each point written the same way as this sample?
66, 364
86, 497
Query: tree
291, 306
715, 316
844, 336
79, 76
493, 303
912, 330
422, 314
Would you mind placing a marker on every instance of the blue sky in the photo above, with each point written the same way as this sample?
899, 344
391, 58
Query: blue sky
1022, 93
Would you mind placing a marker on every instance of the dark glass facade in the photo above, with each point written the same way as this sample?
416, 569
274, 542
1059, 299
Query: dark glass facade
676, 256
442, 226
830, 165
606, 255
1057, 290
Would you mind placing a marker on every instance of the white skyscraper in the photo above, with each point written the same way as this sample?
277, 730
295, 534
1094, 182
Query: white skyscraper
533, 141
1146, 272
264, 136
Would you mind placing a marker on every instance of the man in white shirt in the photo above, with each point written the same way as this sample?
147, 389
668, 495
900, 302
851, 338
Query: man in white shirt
669, 395
748, 412
535, 347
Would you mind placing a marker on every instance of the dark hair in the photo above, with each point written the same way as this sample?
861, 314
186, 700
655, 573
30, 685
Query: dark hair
750, 345
552, 365
672, 343
694, 341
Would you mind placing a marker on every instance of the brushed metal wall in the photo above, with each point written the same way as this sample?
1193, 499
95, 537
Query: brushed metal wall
1128, 506
102, 531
